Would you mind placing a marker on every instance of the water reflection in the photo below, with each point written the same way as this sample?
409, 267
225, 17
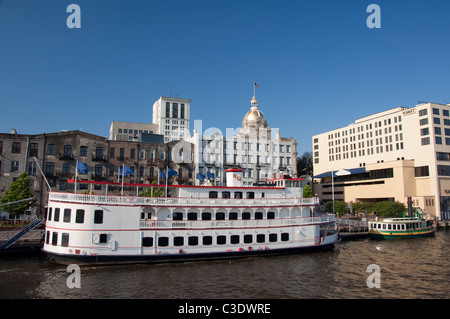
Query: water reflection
414, 268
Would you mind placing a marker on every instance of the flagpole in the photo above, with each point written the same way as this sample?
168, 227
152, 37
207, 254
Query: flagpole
123, 172
76, 177
167, 177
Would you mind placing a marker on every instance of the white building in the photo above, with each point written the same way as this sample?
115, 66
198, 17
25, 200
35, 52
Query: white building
256, 148
419, 137
128, 131
171, 115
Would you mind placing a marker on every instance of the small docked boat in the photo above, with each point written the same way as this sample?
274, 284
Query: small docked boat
405, 227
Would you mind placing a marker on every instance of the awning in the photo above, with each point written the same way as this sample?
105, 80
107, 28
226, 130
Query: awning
342, 172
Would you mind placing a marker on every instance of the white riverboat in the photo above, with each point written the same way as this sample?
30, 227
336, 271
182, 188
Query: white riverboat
194, 223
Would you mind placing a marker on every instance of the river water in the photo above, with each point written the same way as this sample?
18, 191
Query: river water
409, 268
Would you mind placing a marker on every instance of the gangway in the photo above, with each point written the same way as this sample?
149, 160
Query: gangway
36, 222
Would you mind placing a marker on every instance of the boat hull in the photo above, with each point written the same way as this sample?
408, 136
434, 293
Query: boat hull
401, 235
182, 257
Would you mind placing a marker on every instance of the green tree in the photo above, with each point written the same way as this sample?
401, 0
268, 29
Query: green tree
340, 208
305, 164
19, 189
307, 191
390, 209
156, 192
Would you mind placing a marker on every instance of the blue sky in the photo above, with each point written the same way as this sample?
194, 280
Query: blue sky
318, 65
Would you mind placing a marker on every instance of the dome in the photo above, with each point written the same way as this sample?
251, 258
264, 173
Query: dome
255, 117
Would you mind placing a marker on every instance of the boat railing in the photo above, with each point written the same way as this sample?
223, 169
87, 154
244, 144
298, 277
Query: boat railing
174, 201
206, 224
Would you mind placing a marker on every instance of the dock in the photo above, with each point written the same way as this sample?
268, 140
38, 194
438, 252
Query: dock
349, 228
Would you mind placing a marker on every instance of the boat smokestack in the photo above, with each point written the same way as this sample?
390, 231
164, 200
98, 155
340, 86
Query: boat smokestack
234, 177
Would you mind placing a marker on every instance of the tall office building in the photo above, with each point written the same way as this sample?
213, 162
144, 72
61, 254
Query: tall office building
172, 117
391, 155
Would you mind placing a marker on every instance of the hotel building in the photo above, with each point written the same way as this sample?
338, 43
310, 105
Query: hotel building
391, 155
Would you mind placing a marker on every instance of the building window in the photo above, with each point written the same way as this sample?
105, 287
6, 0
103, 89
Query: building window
438, 140
423, 112
443, 170
34, 148
16, 147
435, 111
423, 121
436, 120
83, 150
49, 169
174, 110
14, 166
167, 109
425, 131
426, 141
421, 171
182, 110
67, 151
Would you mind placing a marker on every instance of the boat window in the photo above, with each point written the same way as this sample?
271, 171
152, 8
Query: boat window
248, 239
246, 215
67, 213
193, 241
103, 238
234, 239
49, 214
220, 216
237, 194
221, 240
213, 194
271, 215
207, 240
250, 194
56, 216
147, 242
389, 226
233, 216
192, 216
225, 194
177, 216
284, 236
260, 238
65, 240
163, 241
47, 237
79, 216
263, 195
384, 226
394, 227
206, 216
403, 226
178, 241
273, 238
98, 216
259, 215
55, 238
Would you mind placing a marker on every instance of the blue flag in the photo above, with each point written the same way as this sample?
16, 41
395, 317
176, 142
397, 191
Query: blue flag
200, 177
171, 172
162, 174
209, 175
82, 168
127, 171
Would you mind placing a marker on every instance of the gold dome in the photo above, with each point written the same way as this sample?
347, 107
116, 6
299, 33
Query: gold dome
254, 117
